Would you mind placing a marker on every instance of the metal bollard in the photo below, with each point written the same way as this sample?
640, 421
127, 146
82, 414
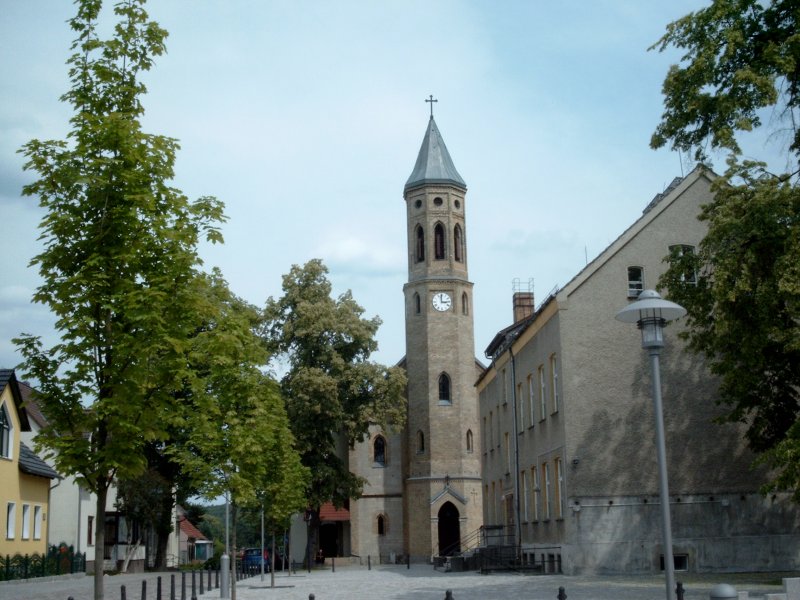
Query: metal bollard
448, 595
562, 595
679, 591
369, 563
194, 589
311, 597
158, 588
216, 579
408, 561
144, 589
172, 587
209, 579
183, 585
333, 564
122, 594
200, 575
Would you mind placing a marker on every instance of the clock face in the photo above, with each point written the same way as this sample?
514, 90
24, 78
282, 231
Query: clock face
442, 301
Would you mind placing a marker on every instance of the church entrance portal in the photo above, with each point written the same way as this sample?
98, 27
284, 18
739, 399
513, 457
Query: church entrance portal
449, 530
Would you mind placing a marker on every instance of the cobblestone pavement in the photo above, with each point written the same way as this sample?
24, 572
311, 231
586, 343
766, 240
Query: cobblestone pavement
420, 582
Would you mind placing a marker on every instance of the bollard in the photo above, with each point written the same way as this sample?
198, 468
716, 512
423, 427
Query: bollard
369, 563
172, 587
183, 585
311, 597
224, 576
333, 564
209, 579
679, 591
723, 591
562, 595
158, 588
122, 594
194, 589
144, 589
448, 595
408, 561
200, 575
216, 579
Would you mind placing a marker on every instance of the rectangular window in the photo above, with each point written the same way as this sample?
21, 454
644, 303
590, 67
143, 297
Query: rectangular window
90, 531
524, 478
542, 395
547, 506
683, 255
492, 509
37, 522
6, 433
491, 431
505, 387
26, 521
559, 490
483, 436
635, 281
554, 382
537, 493
531, 399
521, 401
508, 453
11, 521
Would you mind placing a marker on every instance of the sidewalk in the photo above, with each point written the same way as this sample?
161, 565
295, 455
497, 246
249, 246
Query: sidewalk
421, 582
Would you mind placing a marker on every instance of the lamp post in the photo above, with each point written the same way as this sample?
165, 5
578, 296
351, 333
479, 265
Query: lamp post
225, 559
651, 312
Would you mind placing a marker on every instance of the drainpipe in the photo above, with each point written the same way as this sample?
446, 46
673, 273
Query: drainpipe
515, 433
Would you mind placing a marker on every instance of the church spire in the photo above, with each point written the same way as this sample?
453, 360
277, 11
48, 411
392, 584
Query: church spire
434, 164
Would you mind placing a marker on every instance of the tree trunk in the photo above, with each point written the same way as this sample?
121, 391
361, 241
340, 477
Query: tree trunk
313, 528
164, 528
100, 539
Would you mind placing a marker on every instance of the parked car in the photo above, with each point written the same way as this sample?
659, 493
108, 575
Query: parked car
251, 560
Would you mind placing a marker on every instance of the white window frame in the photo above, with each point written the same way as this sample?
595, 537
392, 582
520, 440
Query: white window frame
11, 520
547, 504
554, 382
37, 522
559, 489
7, 436
635, 285
26, 522
542, 394
521, 401
531, 399
537, 493
525, 508
678, 250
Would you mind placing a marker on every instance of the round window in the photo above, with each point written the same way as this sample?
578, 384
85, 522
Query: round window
418, 203
437, 201
458, 203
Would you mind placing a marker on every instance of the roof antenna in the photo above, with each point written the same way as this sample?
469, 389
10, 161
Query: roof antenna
431, 101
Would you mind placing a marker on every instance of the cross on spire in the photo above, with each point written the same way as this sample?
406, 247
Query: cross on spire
431, 101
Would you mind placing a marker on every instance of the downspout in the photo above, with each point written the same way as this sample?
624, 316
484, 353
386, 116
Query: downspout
517, 523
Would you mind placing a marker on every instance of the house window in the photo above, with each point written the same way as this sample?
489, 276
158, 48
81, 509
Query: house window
508, 452
90, 531
542, 394
379, 451
381, 525
6, 433
37, 522
491, 429
505, 387
683, 255
469, 440
11, 520
464, 304
458, 244
531, 399
420, 247
26, 521
635, 281
492, 508
537, 493
547, 506
554, 382
438, 241
417, 304
420, 442
444, 389
559, 490
521, 402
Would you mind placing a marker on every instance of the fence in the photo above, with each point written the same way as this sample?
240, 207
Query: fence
59, 560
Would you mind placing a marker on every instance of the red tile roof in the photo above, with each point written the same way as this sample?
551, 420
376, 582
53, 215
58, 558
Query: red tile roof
190, 530
328, 512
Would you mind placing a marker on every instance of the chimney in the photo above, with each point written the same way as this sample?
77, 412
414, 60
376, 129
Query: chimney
523, 299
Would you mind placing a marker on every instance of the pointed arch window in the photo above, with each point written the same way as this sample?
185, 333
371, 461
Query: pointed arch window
379, 451
381, 525
464, 304
458, 244
469, 441
420, 442
420, 244
417, 304
438, 241
444, 389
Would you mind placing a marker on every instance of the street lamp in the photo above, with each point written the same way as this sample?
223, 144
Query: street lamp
651, 312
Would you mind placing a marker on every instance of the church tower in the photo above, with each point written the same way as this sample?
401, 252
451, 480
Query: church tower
443, 482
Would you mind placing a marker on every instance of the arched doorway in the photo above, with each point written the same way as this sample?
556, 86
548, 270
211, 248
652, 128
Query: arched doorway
449, 530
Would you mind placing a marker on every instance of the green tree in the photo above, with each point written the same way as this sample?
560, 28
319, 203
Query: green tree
743, 57
119, 262
241, 444
333, 392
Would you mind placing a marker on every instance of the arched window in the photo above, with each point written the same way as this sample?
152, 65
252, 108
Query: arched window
469, 440
438, 241
379, 451
417, 304
420, 442
444, 389
381, 525
464, 304
420, 251
458, 244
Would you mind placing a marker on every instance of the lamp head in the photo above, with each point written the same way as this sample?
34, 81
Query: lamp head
650, 312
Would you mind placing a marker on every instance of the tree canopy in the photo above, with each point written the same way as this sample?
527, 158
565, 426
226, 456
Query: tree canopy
119, 265
743, 58
333, 392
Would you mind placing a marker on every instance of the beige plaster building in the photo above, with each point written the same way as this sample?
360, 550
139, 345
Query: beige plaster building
569, 458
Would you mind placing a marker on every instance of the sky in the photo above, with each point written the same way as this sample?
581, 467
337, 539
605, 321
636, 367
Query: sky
305, 118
